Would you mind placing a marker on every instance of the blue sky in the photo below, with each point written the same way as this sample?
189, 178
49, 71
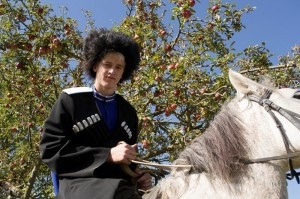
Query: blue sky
274, 22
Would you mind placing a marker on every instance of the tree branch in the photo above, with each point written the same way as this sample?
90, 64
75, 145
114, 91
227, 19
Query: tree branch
293, 65
34, 174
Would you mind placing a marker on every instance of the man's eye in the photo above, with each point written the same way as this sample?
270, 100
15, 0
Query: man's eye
297, 95
106, 65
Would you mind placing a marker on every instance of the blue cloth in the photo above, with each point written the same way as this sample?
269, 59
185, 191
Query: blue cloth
109, 113
55, 182
108, 107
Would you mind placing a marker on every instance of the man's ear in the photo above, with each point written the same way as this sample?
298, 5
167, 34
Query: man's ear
95, 68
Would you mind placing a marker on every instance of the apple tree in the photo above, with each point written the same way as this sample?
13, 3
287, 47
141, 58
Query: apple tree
187, 47
38, 51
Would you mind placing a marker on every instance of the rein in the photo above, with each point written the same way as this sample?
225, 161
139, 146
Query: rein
160, 166
151, 164
290, 116
279, 157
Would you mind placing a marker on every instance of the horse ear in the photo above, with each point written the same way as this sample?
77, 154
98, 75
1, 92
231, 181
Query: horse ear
241, 83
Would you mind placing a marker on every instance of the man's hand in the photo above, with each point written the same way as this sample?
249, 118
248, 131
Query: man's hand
144, 181
123, 153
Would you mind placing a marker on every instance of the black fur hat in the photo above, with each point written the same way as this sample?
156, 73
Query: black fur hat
99, 42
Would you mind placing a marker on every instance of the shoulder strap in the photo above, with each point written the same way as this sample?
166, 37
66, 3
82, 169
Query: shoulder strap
75, 90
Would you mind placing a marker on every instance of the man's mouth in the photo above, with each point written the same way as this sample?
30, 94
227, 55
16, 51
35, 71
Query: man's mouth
110, 77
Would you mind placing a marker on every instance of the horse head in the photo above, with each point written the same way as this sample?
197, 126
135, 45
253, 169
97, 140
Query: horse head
274, 113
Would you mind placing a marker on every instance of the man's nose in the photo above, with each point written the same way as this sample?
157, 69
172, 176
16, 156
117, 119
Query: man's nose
112, 71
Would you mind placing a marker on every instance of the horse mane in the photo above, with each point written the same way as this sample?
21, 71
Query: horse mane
221, 150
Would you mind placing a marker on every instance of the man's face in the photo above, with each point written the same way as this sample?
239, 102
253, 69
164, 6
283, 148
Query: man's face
109, 71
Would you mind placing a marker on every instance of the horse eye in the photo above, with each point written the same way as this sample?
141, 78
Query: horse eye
297, 95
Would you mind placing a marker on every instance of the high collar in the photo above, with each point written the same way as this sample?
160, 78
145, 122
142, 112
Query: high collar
103, 98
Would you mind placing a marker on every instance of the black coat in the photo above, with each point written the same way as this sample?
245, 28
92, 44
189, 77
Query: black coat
75, 144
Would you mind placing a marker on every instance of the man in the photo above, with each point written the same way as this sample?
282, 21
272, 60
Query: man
90, 132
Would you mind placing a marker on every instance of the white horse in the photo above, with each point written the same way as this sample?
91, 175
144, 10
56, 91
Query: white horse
243, 131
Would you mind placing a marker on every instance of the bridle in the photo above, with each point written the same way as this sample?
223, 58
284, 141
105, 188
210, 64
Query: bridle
291, 116
269, 106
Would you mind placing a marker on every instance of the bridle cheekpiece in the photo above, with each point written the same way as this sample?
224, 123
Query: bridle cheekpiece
291, 116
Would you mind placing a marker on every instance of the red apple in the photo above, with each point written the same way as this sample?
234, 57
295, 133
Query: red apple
176, 92
173, 107
158, 108
145, 16
30, 125
163, 67
167, 111
218, 95
210, 26
37, 92
156, 93
186, 14
68, 32
158, 78
153, 24
13, 129
20, 65
31, 36
180, 3
162, 32
203, 90
168, 47
192, 3
12, 46
146, 144
43, 50
56, 41
65, 64
48, 81
129, 2
40, 10
21, 18
197, 116
56, 44
27, 46
67, 27
215, 8
145, 119
171, 66
152, 5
